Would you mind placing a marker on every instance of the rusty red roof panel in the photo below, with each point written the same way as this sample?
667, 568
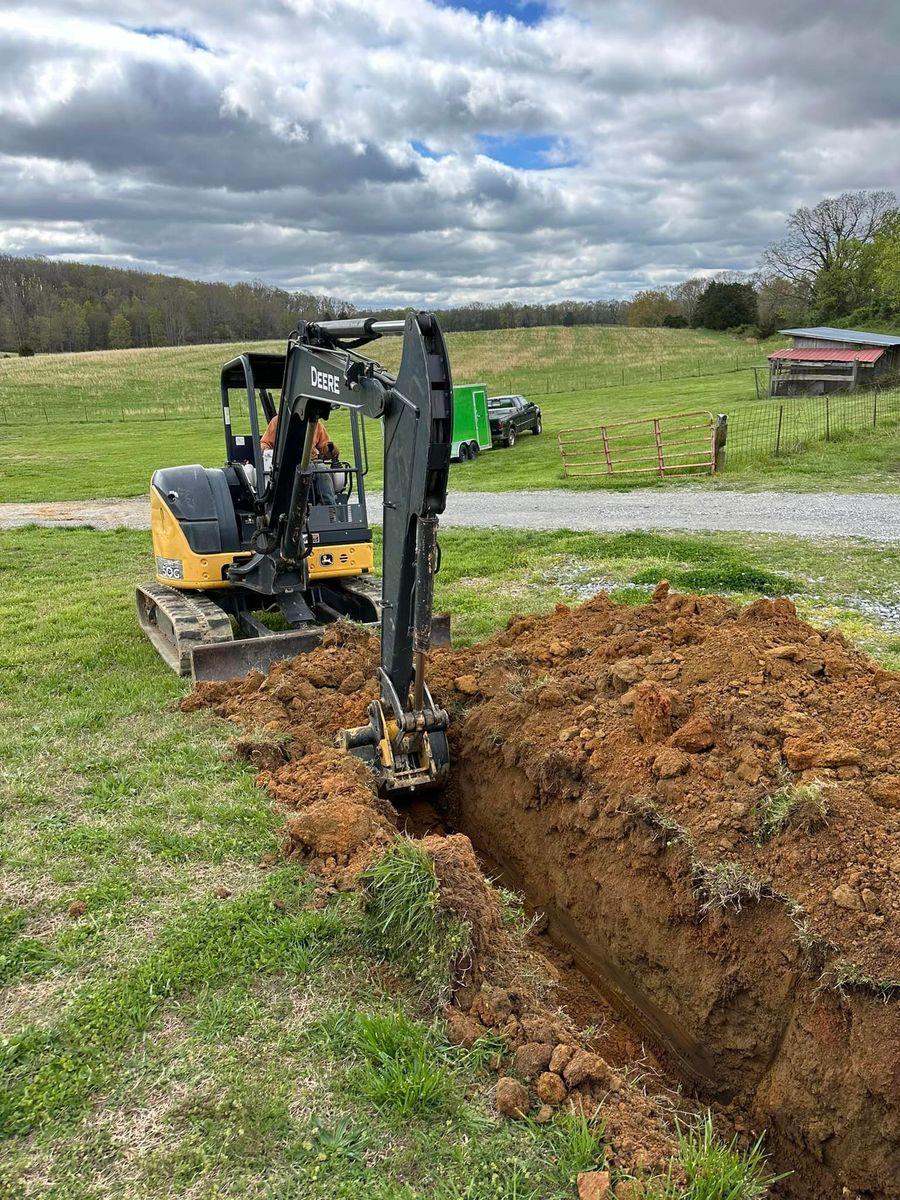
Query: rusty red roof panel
820, 354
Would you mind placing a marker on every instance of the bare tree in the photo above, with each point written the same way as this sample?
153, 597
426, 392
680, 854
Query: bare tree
815, 235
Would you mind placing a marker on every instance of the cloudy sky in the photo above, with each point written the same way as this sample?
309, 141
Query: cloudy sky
437, 152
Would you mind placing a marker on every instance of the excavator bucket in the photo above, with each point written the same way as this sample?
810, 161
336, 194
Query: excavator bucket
233, 660
223, 661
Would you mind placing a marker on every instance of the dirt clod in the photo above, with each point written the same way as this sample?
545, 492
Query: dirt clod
594, 1185
511, 1098
531, 1059
462, 1030
586, 1067
550, 1088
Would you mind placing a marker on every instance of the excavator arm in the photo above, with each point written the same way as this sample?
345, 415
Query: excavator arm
405, 740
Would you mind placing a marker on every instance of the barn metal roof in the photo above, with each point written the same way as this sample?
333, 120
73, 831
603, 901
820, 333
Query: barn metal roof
829, 334
823, 354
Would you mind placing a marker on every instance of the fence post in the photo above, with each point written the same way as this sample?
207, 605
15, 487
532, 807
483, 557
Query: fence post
827, 420
875, 409
720, 437
659, 450
778, 431
606, 453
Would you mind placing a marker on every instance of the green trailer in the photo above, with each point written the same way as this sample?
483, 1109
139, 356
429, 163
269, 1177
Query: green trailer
471, 427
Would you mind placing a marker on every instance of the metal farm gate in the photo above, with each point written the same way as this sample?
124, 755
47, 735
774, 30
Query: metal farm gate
677, 444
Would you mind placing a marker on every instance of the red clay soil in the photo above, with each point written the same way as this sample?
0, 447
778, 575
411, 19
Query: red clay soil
615, 761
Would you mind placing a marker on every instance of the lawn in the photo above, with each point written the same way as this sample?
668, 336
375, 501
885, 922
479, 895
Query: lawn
175, 1020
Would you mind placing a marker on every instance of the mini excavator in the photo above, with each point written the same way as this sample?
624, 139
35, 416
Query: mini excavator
235, 543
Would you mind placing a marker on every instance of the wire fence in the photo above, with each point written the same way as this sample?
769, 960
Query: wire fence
778, 428
82, 406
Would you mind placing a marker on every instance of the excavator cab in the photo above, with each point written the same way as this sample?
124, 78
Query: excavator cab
337, 519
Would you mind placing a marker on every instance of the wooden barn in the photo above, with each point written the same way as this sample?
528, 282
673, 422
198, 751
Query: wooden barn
825, 360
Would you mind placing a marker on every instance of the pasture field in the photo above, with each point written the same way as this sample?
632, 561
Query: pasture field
62, 427
174, 1015
48, 451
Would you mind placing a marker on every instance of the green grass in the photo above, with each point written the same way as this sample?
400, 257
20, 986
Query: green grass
407, 924
50, 453
715, 1171
78, 426
158, 1042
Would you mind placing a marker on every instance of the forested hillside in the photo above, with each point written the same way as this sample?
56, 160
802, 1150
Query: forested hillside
52, 306
63, 306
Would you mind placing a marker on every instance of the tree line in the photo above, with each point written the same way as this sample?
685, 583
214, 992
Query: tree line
51, 306
838, 263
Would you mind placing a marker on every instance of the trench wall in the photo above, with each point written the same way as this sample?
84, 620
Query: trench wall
727, 994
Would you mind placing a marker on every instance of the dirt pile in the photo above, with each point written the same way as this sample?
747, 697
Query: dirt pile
706, 803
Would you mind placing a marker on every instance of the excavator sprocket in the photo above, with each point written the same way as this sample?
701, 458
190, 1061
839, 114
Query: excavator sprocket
177, 622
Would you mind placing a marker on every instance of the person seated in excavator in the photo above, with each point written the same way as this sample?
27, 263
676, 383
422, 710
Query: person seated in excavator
324, 454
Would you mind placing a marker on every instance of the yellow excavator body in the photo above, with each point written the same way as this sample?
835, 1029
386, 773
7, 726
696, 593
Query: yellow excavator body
178, 566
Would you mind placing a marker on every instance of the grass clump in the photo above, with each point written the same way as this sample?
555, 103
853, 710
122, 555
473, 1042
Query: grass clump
714, 1170
577, 1142
405, 921
399, 1065
802, 806
725, 885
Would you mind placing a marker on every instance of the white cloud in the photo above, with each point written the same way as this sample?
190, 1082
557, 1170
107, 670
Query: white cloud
275, 141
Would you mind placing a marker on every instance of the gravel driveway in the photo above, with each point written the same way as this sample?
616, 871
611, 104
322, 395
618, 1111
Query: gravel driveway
812, 515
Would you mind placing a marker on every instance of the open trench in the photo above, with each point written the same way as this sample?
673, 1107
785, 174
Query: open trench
725, 1003
580, 742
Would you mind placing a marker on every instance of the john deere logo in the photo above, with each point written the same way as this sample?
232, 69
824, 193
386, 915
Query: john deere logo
326, 560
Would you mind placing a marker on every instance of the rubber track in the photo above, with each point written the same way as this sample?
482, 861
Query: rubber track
195, 620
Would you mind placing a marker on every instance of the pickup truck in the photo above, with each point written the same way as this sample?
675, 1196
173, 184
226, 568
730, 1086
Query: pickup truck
511, 415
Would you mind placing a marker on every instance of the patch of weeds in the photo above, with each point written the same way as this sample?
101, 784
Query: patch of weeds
398, 1064
405, 921
663, 828
512, 907
725, 885
326, 1149
715, 1170
576, 1140
802, 806
25, 958
845, 976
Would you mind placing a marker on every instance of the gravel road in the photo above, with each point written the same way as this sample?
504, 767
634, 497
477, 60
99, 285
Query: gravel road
813, 515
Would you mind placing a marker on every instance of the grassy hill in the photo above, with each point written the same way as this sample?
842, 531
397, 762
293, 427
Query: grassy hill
79, 426
76, 426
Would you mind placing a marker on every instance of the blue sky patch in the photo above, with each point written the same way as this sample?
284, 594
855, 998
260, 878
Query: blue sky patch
529, 153
425, 151
155, 31
528, 12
